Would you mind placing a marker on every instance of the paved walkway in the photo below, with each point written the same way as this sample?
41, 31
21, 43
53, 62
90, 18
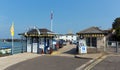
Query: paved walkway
94, 57
49, 63
108, 62
69, 51
13, 59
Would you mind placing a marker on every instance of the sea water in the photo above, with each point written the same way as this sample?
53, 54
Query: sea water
18, 47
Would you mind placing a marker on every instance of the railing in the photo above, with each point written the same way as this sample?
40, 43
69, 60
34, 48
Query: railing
18, 47
113, 46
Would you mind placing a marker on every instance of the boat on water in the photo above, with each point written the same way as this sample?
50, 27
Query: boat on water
5, 50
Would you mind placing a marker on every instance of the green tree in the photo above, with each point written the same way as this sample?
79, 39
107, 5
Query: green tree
116, 27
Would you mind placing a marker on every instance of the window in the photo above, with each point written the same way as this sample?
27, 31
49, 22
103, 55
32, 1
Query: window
29, 40
94, 41
91, 41
35, 40
72, 35
88, 41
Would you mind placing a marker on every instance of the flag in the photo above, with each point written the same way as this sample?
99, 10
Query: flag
51, 16
12, 29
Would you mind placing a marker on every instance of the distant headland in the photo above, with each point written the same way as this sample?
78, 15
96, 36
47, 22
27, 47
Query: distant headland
10, 40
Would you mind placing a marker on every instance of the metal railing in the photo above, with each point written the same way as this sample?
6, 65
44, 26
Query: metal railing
113, 46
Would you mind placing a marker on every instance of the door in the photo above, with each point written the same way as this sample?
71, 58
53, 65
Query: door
35, 45
29, 46
41, 45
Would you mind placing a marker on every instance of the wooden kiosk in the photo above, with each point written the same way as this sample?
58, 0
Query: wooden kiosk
94, 38
38, 40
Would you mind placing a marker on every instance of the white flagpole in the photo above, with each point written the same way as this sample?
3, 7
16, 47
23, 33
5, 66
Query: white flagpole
51, 25
51, 18
12, 34
12, 46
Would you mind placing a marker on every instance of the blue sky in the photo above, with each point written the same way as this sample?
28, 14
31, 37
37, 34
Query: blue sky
69, 15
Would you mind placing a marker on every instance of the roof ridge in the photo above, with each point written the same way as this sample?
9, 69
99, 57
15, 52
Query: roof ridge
92, 29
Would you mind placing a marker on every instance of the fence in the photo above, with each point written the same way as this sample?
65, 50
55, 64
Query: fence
18, 47
113, 47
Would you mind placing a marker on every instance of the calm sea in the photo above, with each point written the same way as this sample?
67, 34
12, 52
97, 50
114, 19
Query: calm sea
17, 48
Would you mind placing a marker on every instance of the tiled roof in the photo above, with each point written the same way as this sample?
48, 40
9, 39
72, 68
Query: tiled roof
70, 34
91, 30
42, 31
35, 31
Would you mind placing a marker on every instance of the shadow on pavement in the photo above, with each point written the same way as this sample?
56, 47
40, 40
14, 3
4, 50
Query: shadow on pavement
72, 51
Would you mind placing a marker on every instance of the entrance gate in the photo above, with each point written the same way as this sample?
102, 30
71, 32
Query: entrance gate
113, 47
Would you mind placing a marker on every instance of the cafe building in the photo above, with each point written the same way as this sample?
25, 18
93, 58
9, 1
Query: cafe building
38, 40
95, 39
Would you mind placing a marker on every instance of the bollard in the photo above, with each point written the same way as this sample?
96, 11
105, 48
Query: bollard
117, 47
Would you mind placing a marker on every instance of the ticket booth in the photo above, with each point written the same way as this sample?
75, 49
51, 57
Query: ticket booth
94, 38
38, 40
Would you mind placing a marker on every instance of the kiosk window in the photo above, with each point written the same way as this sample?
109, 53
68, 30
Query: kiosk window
91, 41
35, 40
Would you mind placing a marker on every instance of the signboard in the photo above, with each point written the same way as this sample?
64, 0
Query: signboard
83, 49
82, 46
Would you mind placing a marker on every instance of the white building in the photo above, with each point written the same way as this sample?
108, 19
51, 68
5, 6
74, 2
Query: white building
67, 37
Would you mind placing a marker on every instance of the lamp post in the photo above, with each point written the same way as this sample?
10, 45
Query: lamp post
114, 33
